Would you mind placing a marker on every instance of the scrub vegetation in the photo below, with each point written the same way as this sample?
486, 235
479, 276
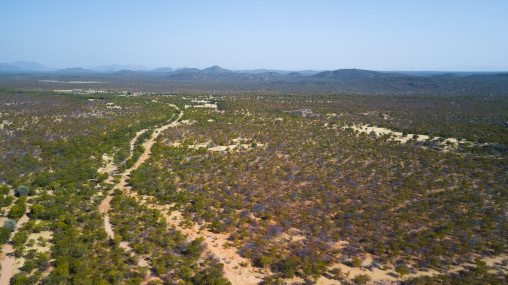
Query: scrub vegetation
284, 184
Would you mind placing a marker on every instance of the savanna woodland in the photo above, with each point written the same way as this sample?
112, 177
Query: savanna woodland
142, 183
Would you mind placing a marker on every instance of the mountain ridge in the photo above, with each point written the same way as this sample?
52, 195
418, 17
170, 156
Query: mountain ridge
345, 74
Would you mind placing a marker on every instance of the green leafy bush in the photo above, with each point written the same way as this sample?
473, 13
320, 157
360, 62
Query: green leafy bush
10, 224
5, 235
17, 211
22, 191
361, 279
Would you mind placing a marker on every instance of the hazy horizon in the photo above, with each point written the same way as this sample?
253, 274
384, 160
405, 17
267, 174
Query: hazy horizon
108, 67
285, 35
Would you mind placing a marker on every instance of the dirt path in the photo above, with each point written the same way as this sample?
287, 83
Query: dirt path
111, 168
105, 204
234, 272
8, 259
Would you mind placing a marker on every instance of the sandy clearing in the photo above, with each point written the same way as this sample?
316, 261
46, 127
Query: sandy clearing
107, 224
232, 147
109, 167
72, 82
7, 258
398, 136
2, 220
204, 104
5, 123
81, 91
213, 106
46, 235
391, 275
233, 271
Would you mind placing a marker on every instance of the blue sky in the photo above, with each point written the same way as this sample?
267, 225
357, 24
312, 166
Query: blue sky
291, 35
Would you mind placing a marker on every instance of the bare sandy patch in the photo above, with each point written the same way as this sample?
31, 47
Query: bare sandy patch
7, 258
36, 237
109, 165
237, 269
5, 123
398, 136
238, 145
73, 82
203, 104
81, 91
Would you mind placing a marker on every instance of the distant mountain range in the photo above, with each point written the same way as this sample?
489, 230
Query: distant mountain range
117, 67
341, 81
24, 66
75, 70
341, 74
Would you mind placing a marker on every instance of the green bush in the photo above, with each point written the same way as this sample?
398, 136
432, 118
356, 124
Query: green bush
264, 261
22, 191
5, 235
357, 262
4, 190
216, 227
10, 224
29, 265
23, 278
103, 177
36, 211
41, 180
21, 201
6, 201
17, 211
20, 238
361, 279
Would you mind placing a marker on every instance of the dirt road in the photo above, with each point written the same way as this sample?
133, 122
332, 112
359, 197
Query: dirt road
8, 259
105, 204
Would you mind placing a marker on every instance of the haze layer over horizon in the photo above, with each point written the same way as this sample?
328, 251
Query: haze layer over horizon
290, 35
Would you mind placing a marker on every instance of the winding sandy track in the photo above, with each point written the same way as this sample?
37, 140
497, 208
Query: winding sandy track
112, 168
105, 204
235, 273
8, 259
